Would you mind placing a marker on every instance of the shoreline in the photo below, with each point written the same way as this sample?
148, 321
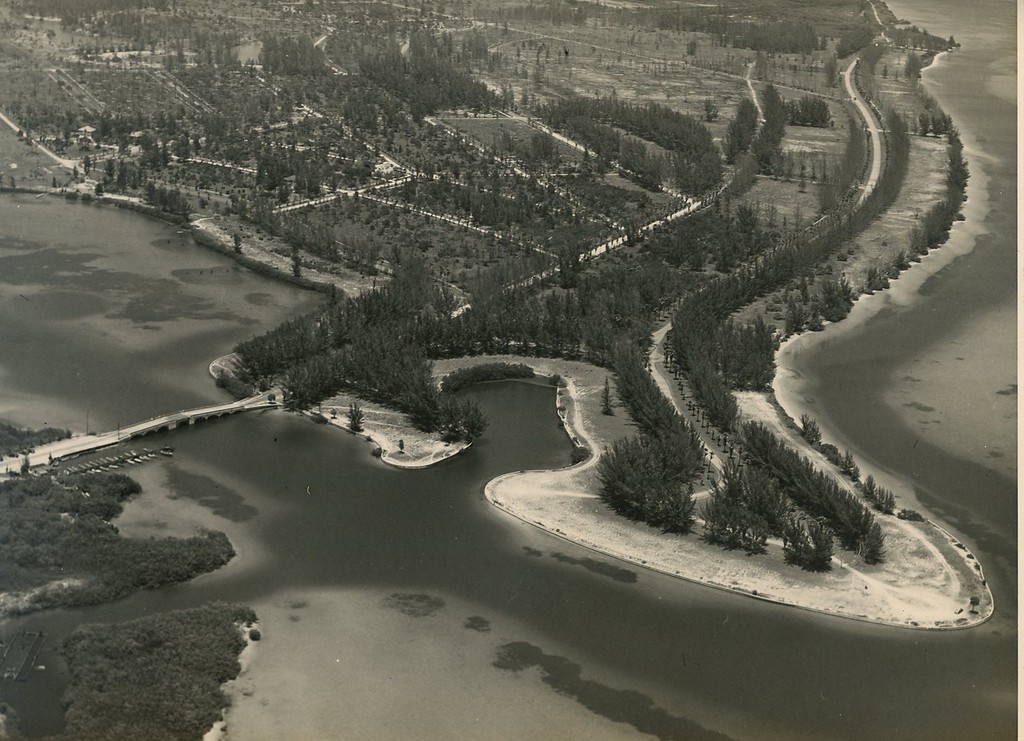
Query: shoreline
789, 384
560, 502
395, 456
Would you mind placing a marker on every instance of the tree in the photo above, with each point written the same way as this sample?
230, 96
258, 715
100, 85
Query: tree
473, 422
606, 399
872, 548
355, 417
821, 537
296, 262
912, 67
741, 130
237, 239
710, 110
809, 429
831, 71
849, 466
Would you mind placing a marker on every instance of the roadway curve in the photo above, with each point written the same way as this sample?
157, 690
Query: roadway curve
62, 161
873, 130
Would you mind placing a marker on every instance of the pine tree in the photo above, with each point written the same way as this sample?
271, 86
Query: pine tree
606, 399
873, 547
821, 538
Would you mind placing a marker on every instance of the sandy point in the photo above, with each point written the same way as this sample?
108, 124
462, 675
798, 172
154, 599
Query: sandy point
928, 581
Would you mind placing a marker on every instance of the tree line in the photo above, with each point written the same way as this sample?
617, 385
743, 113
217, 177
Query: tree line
648, 477
934, 227
817, 493
13, 439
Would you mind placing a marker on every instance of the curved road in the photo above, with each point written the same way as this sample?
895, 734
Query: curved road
873, 129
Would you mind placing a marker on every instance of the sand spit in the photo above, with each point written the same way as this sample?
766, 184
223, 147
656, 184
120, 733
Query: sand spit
927, 582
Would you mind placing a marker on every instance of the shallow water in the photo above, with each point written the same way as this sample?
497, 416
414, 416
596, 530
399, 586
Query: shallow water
924, 389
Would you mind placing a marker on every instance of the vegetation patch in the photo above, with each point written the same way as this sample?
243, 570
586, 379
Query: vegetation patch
57, 545
158, 677
463, 377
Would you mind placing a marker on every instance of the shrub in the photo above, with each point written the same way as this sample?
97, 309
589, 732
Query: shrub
910, 514
498, 371
579, 454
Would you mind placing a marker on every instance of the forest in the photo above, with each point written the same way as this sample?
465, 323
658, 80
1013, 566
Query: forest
428, 78
364, 345
156, 677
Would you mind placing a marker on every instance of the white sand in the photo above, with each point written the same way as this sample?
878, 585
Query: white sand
925, 584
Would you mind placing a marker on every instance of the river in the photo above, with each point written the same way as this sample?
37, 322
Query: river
398, 603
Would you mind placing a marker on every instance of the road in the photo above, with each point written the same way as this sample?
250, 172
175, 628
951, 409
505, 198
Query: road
753, 93
873, 130
62, 161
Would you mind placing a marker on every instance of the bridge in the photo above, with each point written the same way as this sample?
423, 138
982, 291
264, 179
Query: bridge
80, 444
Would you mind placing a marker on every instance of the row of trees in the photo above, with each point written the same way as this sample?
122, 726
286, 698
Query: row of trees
498, 371
817, 493
648, 477
835, 188
934, 227
767, 145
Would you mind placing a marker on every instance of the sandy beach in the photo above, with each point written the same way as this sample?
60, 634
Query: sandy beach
927, 582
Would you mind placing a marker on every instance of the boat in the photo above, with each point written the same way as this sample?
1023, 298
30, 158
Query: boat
167, 450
